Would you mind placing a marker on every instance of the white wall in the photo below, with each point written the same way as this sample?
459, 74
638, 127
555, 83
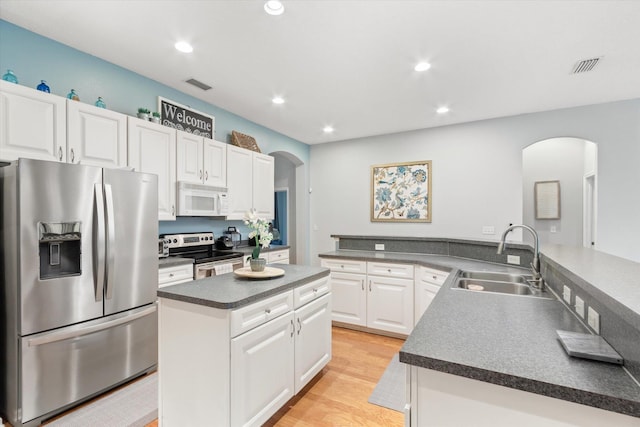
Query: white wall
477, 176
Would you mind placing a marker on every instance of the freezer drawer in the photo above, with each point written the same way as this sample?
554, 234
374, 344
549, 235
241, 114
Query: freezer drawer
69, 364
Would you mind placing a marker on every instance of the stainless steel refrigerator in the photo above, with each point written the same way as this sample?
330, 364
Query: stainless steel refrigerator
79, 271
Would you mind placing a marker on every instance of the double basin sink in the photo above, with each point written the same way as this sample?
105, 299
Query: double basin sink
498, 282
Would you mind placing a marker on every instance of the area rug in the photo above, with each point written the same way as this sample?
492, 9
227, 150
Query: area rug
391, 389
134, 405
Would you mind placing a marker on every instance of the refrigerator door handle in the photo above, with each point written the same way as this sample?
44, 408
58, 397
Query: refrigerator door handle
99, 242
65, 335
111, 239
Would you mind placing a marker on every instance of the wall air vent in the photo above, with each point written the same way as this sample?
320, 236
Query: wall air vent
585, 65
198, 84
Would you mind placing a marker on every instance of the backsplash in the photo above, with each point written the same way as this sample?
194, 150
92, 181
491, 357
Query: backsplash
198, 224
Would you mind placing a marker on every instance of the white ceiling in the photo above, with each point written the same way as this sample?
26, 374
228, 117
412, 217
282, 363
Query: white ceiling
349, 64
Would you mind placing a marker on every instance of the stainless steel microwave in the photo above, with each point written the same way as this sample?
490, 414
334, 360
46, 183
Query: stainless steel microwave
202, 200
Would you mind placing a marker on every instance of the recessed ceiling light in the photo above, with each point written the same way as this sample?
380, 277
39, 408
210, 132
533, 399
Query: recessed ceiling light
274, 7
278, 100
422, 66
327, 129
184, 47
442, 110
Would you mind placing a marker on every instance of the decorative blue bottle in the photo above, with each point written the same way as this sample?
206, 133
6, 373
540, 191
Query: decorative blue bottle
73, 95
10, 77
43, 87
100, 103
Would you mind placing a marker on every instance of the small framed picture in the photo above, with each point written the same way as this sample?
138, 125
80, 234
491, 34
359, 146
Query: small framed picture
547, 199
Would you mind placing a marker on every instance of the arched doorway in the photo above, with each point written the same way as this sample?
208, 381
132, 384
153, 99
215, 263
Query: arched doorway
288, 196
572, 162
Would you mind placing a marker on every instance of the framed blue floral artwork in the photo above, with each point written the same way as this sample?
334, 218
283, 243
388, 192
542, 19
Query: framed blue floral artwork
401, 192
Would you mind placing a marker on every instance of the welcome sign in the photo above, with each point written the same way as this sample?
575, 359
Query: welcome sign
183, 118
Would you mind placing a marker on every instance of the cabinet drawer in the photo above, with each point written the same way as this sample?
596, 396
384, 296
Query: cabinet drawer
387, 269
252, 315
345, 265
430, 275
167, 275
311, 291
276, 256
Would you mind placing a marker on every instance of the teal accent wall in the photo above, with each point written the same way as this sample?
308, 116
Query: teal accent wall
33, 57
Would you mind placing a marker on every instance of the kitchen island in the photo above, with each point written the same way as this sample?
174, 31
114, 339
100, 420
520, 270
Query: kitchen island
487, 359
232, 351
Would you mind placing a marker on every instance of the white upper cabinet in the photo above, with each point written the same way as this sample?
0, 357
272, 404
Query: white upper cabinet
250, 179
215, 163
189, 157
96, 136
152, 149
263, 185
201, 160
32, 124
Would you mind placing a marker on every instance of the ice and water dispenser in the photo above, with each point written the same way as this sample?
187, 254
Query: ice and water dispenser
59, 247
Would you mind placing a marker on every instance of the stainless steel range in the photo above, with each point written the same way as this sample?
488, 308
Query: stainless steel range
207, 261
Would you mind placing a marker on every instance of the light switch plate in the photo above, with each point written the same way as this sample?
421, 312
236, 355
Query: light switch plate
379, 246
488, 229
580, 307
513, 259
566, 294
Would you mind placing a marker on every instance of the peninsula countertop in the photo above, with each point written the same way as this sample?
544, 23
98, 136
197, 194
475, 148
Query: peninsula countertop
229, 291
506, 340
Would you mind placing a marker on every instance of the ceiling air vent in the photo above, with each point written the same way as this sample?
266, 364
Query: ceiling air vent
585, 65
198, 84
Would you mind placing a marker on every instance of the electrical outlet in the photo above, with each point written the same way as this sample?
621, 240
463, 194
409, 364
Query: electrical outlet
488, 229
579, 307
513, 259
593, 318
553, 229
379, 246
566, 294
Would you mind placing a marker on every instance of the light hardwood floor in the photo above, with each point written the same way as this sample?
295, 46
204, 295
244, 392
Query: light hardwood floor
338, 396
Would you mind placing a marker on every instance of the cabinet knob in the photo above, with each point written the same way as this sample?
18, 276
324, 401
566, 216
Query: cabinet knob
200, 174
268, 311
388, 270
206, 175
73, 156
170, 274
342, 266
435, 277
60, 153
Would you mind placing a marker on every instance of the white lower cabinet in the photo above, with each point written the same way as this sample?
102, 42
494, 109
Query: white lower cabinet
390, 304
427, 284
312, 340
278, 257
261, 376
349, 298
381, 299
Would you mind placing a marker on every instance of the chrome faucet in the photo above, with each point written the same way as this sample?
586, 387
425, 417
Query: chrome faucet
537, 281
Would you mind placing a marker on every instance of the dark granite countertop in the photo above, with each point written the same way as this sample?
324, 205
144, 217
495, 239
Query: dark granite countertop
229, 291
507, 340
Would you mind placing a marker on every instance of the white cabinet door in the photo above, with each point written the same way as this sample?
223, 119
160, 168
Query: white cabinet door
424, 294
313, 340
240, 181
189, 150
32, 124
152, 149
215, 163
390, 304
96, 136
261, 371
349, 303
263, 185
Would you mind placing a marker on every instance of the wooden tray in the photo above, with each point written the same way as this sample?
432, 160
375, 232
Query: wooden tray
268, 273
